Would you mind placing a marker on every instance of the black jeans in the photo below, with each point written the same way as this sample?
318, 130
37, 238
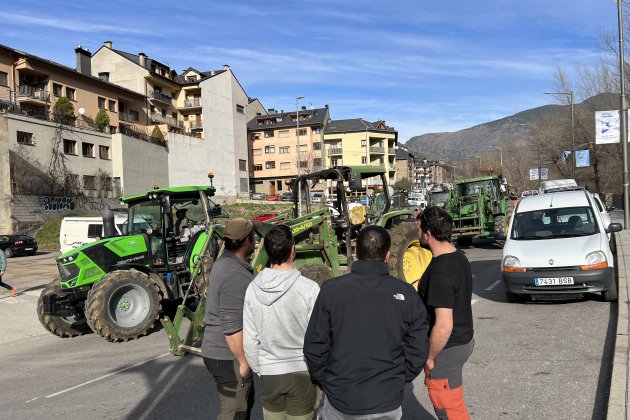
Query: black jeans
236, 393
6, 286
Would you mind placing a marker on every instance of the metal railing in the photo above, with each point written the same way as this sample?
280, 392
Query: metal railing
161, 97
195, 125
335, 150
123, 116
196, 102
377, 149
32, 92
161, 119
391, 151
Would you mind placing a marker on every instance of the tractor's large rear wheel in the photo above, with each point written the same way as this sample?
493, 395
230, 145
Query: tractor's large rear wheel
501, 222
123, 305
407, 259
319, 273
64, 327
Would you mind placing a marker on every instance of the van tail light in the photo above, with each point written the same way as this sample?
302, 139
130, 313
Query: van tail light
597, 266
19, 242
510, 269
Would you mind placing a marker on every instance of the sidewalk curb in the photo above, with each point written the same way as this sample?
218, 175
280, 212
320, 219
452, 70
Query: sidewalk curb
619, 382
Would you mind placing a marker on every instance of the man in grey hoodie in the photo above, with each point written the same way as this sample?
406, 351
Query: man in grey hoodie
277, 308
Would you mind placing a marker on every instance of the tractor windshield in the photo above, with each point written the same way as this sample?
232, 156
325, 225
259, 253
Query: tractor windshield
439, 198
143, 216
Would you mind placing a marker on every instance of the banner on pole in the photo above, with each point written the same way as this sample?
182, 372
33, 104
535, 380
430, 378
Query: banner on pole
582, 158
533, 174
607, 127
544, 173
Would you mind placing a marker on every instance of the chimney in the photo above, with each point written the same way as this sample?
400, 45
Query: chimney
84, 60
226, 67
142, 59
271, 110
303, 108
108, 44
212, 72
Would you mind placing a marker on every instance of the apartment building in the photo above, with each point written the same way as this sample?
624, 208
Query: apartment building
281, 144
405, 165
43, 156
429, 172
360, 142
209, 106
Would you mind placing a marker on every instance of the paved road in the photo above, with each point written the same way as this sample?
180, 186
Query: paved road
531, 361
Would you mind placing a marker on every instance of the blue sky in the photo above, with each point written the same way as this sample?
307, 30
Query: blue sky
422, 66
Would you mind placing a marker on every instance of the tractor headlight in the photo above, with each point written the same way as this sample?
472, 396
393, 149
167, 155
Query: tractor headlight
69, 258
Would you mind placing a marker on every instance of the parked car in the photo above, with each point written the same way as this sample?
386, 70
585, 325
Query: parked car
273, 197
287, 196
265, 216
14, 245
317, 197
258, 196
558, 244
528, 193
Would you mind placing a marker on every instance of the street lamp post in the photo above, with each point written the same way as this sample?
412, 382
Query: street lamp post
623, 119
570, 95
299, 163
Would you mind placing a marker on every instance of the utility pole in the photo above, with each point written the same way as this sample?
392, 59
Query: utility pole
623, 119
299, 163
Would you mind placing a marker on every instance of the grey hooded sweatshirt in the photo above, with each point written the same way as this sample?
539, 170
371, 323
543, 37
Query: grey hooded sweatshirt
277, 308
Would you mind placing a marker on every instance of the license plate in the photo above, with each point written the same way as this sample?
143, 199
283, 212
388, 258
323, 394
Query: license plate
28, 249
553, 281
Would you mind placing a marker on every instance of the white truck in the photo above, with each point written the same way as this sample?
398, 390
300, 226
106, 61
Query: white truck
78, 231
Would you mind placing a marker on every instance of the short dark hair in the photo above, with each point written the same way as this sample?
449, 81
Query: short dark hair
236, 244
437, 221
373, 243
278, 243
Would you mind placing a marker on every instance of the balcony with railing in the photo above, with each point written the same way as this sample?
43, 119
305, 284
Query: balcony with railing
161, 119
157, 95
124, 116
32, 94
191, 103
377, 149
195, 125
335, 151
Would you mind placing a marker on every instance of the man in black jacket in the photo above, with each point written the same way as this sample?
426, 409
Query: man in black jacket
367, 335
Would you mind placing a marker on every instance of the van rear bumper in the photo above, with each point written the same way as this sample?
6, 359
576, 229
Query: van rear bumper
583, 282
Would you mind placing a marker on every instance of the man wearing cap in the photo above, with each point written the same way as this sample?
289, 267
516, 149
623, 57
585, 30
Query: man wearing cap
222, 347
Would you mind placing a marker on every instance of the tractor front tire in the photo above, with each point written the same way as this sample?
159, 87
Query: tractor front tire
63, 327
123, 305
407, 259
319, 273
501, 222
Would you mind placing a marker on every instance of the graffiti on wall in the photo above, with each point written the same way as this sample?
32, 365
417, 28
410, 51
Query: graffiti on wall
65, 204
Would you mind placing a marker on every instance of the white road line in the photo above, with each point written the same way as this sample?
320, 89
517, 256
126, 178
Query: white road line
106, 376
472, 302
32, 399
493, 285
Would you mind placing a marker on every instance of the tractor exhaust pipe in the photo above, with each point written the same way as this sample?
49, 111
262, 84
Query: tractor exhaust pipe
109, 228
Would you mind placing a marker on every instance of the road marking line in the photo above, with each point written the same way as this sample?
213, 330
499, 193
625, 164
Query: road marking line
472, 302
32, 399
106, 376
493, 285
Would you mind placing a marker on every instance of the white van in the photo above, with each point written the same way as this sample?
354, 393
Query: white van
558, 244
416, 199
78, 231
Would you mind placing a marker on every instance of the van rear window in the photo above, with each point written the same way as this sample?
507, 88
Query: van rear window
95, 231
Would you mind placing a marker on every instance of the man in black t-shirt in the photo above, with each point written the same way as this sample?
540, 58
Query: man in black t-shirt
446, 290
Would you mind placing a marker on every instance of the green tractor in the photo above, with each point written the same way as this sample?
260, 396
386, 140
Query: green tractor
480, 208
441, 195
325, 240
118, 285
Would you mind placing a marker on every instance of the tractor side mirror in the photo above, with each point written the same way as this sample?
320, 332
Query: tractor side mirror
165, 204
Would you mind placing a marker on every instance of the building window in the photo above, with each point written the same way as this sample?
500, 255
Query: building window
111, 105
304, 164
105, 183
317, 162
87, 149
103, 152
268, 133
240, 109
285, 149
270, 164
4, 78
270, 149
24, 138
257, 167
256, 152
244, 184
57, 89
363, 143
101, 103
301, 132
285, 165
278, 185
69, 147
135, 115
89, 182
70, 93
242, 165
335, 162
104, 76
191, 79
363, 160
317, 146
255, 136
303, 148
113, 129
316, 130
283, 133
